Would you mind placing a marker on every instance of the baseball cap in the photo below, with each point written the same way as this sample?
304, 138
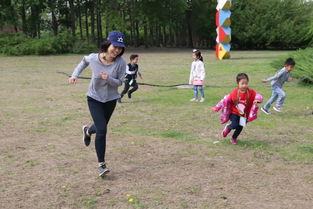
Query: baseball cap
116, 38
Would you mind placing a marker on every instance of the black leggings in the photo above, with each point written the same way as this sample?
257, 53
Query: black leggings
101, 114
235, 125
127, 86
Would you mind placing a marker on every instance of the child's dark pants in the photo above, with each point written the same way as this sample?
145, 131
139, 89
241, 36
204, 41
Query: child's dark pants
127, 86
235, 125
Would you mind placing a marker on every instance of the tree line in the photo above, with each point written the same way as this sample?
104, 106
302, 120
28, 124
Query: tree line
164, 23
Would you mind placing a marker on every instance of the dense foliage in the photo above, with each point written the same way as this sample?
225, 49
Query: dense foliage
283, 24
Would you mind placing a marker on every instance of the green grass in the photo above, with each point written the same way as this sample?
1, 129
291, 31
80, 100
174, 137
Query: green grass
44, 115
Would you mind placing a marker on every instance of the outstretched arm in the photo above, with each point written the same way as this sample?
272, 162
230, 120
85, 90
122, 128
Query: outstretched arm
79, 68
277, 75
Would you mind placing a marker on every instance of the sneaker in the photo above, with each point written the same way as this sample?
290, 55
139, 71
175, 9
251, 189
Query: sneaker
226, 131
194, 100
86, 136
265, 111
234, 141
277, 109
129, 95
119, 100
202, 99
103, 170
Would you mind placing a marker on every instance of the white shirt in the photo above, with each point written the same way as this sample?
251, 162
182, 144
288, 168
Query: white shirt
197, 71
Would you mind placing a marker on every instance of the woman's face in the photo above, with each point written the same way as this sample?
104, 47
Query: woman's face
114, 51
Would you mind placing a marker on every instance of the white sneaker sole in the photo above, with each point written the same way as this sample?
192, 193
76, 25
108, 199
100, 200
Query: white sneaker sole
104, 173
84, 133
277, 110
267, 113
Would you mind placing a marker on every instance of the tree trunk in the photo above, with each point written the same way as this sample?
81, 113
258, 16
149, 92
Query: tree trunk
80, 20
131, 20
92, 19
151, 34
86, 20
54, 22
38, 29
145, 33
137, 33
33, 22
164, 36
189, 28
72, 16
23, 15
99, 23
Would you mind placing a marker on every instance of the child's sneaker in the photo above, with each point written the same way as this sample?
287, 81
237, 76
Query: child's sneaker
265, 111
234, 141
103, 169
86, 136
277, 109
193, 100
202, 99
226, 131
129, 95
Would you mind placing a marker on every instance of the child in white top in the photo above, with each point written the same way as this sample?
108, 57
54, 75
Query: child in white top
197, 75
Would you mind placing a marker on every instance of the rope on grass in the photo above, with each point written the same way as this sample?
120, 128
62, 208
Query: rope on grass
145, 84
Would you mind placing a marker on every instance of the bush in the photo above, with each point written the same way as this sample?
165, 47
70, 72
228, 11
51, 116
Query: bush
19, 44
304, 65
83, 47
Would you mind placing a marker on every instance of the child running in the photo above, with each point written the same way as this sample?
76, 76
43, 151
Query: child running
241, 101
277, 83
132, 70
197, 75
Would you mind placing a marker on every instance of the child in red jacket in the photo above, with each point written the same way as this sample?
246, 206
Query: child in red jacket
242, 99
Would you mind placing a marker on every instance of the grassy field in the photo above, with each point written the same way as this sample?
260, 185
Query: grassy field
163, 151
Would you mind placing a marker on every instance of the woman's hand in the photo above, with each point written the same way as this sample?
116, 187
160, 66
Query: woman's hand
105, 76
72, 80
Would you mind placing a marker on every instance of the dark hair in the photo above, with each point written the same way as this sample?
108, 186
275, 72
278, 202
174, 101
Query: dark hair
241, 76
133, 56
198, 54
106, 44
290, 61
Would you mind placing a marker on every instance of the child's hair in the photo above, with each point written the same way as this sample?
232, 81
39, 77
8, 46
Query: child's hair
133, 56
241, 76
290, 61
198, 54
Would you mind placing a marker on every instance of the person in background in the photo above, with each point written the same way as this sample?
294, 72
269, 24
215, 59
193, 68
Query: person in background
197, 75
132, 70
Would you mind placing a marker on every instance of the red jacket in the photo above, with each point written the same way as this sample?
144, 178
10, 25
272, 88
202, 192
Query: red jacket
246, 98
